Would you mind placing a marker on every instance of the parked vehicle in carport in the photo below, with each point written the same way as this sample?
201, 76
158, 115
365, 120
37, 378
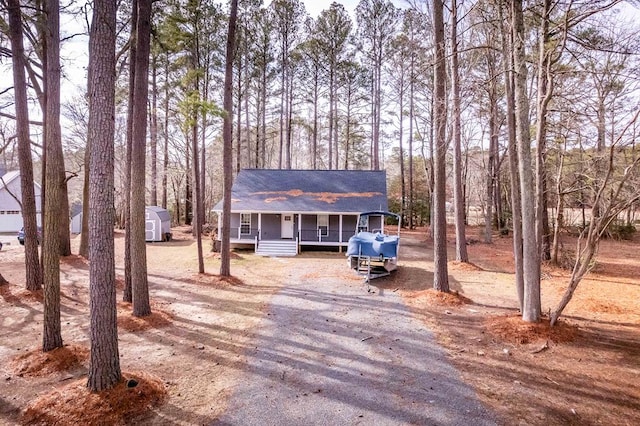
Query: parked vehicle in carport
21, 235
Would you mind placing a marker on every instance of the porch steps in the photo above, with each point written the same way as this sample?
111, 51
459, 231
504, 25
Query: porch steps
277, 248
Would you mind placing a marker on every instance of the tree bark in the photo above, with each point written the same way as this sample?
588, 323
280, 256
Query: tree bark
199, 216
439, 220
104, 367
544, 95
165, 149
514, 181
153, 132
531, 311
139, 280
32, 261
127, 295
52, 334
227, 152
84, 235
458, 194
412, 82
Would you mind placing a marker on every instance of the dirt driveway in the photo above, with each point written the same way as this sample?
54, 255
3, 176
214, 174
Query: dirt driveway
328, 352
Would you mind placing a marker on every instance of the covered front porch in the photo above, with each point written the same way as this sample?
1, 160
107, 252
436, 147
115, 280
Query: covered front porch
301, 229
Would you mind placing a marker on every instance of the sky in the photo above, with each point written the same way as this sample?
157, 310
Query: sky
314, 7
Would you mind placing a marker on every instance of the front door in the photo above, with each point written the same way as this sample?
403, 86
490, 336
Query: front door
287, 225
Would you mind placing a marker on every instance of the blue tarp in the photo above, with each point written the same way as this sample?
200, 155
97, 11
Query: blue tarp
374, 245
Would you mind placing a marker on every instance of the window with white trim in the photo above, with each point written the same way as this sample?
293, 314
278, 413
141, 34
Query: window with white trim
245, 223
323, 225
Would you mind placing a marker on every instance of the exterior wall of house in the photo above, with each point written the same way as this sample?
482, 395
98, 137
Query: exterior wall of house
271, 226
334, 229
309, 231
235, 227
348, 226
10, 210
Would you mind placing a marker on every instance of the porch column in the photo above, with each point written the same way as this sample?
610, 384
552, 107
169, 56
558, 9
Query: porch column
259, 226
220, 226
299, 239
340, 235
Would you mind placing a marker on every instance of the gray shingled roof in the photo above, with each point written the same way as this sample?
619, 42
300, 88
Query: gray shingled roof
345, 191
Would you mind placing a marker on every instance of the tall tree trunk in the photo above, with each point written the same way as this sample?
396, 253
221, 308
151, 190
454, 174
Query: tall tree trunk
314, 154
32, 261
104, 366
84, 235
545, 92
198, 218
238, 134
165, 150
347, 141
282, 108
412, 78
52, 335
494, 130
559, 219
289, 123
153, 132
225, 258
439, 219
127, 294
531, 311
458, 183
139, 280
516, 214
188, 207
376, 116
331, 113
257, 146
403, 191
203, 154
247, 122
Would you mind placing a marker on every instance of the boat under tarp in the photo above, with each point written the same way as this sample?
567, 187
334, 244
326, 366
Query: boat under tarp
374, 254
373, 245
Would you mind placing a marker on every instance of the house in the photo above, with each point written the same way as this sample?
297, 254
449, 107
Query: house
10, 208
279, 212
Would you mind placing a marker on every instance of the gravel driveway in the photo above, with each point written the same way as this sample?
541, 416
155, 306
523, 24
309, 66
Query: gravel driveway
329, 353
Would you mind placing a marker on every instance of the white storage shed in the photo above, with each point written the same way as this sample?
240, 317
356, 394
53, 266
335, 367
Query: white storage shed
157, 224
76, 223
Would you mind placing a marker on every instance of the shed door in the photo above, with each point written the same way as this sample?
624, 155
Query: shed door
287, 225
150, 230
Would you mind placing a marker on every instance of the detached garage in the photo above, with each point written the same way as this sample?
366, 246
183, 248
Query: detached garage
157, 224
